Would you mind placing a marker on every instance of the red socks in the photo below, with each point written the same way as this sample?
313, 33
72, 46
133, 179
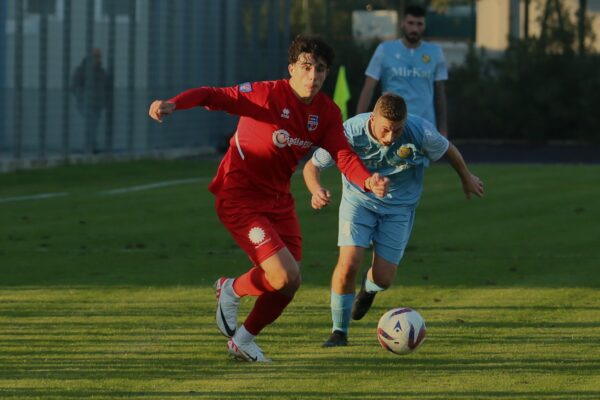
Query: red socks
268, 308
270, 303
252, 283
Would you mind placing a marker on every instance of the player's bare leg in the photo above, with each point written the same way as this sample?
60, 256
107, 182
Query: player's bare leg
282, 272
343, 282
382, 272
343, 279
378, 278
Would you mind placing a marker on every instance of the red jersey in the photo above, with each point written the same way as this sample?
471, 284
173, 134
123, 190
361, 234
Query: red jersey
274, 133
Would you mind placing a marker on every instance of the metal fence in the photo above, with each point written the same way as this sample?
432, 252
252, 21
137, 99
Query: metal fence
77, 76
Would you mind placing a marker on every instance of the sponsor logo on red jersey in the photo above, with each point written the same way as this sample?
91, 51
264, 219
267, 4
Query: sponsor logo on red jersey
282, 138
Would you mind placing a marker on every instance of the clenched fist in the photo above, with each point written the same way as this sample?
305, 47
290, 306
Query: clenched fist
160, 108
378, 184
320, 199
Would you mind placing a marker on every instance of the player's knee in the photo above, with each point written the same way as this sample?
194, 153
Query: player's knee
294, 284
278, 282
384, 279
288, 280
347, 280
345, 275
384, 283
348, 267
290, 285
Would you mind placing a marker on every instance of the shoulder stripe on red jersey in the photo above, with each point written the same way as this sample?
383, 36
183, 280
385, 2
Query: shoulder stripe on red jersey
239, 148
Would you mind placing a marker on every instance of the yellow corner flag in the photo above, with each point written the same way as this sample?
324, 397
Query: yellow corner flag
341, 94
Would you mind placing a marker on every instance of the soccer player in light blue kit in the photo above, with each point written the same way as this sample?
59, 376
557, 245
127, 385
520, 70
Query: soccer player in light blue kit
398, 146
412, 68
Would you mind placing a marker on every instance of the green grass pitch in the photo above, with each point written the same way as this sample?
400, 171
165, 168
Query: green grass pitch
108, 296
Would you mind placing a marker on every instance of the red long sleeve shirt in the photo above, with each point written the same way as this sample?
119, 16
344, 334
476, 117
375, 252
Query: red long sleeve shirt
274, 133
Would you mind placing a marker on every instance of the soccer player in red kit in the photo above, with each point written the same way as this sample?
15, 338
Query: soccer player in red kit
279, 122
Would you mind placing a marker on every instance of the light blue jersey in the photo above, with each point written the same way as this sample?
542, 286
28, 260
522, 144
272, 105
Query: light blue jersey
410, 73
403, 162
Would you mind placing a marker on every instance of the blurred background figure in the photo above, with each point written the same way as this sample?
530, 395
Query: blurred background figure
412, 68
91, 86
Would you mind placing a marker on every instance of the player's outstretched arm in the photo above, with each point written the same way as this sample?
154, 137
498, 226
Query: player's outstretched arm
160, 108
471, 184
377, 184
321, 197
441, 109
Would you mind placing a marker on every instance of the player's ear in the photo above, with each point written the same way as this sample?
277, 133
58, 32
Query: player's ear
291, 69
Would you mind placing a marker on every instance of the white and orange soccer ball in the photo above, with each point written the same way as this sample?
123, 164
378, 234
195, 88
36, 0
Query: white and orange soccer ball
401, 330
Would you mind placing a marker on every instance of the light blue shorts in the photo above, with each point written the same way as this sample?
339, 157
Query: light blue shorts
360, 225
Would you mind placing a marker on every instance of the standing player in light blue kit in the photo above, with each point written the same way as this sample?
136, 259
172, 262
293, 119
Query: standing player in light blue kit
399, 146
412, 68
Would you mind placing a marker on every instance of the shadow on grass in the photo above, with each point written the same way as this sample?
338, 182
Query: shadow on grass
283, 394
196, 269
92, 339
183, 366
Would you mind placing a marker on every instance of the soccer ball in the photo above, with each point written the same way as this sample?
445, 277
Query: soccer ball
401, 330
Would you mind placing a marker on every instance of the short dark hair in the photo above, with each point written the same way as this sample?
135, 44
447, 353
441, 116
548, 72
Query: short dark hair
415, 11
391, 106
310, 44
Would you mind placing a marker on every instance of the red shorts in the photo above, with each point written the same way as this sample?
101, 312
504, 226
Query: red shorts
262, 227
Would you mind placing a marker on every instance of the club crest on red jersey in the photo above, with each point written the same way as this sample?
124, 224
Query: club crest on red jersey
245, 87
313, 122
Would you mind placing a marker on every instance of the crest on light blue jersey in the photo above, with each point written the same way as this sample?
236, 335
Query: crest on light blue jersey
407, 150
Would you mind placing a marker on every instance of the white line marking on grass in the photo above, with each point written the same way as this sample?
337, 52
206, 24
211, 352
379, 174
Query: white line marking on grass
156, 185
41, 196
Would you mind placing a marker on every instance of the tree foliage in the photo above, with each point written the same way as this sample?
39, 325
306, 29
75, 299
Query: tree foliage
542, 88
538, 90
526, 95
